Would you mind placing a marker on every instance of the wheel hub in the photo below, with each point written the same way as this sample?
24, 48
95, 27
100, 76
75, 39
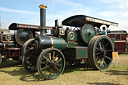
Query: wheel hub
52, 63
102, 52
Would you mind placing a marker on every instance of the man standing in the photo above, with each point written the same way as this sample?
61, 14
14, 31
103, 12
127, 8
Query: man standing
104, 31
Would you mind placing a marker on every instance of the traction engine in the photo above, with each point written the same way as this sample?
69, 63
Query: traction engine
11, 43
81, 40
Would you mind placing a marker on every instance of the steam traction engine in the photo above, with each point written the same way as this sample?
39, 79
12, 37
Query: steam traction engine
11, 43
82, 40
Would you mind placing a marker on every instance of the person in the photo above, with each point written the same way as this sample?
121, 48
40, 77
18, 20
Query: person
104, 31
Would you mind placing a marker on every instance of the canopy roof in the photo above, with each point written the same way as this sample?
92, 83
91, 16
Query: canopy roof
80, 20
16, 26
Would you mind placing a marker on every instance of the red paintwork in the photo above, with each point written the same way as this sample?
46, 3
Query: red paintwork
123, 36
13, 49
120, 44
2, 36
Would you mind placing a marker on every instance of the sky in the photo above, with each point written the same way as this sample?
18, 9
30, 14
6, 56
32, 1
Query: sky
28, 12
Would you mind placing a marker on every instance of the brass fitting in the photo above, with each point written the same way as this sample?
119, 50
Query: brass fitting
42, 6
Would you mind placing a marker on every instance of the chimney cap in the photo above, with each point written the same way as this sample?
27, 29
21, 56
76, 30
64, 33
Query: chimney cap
42, 6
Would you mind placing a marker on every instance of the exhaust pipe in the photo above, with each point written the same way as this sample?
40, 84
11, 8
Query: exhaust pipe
42, 20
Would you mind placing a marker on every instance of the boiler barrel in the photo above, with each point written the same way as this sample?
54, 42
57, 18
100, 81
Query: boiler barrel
7, 45
51, 42
58, 42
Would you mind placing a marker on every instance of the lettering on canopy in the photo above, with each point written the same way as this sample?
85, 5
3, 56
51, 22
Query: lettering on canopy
101, 21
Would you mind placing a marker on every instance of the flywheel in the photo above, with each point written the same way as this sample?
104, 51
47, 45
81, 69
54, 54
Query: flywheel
23, 35
87, 32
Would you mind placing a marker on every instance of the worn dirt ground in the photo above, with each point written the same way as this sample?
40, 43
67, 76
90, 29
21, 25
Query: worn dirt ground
12, 73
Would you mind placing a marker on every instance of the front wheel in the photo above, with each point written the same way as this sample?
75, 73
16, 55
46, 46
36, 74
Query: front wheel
51, 63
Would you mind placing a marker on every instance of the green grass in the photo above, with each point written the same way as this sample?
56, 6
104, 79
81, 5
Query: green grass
12, 73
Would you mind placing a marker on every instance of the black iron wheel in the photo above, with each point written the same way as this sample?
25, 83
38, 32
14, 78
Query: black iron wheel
90, 60
51, 63
29, 56
100, 52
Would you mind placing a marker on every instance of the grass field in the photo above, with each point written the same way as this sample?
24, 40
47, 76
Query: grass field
12, 73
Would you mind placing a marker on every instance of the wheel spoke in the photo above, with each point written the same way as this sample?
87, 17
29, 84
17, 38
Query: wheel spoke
45, 71
58, 61
104, 62
58, 64
106, 45
97, 54
108, 57
43, 62
97, 49
49, 56
56, 68
97, 59
102, 44
53, 54
100, 61
56, 58
27, 62
50, 72
45, 67
109, 50
46, 58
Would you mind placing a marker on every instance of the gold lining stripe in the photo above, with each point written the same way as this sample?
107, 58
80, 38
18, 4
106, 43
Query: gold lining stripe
66, 45
4, 46
52, 41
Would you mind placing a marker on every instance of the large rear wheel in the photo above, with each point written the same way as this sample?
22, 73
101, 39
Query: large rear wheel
100, 52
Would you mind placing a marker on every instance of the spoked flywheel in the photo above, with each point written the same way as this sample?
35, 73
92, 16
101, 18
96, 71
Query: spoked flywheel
29, 56
100, 52
51, 63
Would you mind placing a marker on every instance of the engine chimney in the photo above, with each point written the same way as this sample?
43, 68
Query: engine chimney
42, 19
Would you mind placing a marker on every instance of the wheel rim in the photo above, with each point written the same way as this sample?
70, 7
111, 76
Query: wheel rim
51, 63
29, 56
30, 61
102, 52
91, 42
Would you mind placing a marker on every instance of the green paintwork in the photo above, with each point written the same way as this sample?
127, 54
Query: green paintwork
51, 63
71, 44
113, 41
82, 52
87, 32
59, 43
109, 54
73, 36
100, 52
76, 53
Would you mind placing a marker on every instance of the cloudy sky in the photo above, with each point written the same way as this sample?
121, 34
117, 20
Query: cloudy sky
27, 11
